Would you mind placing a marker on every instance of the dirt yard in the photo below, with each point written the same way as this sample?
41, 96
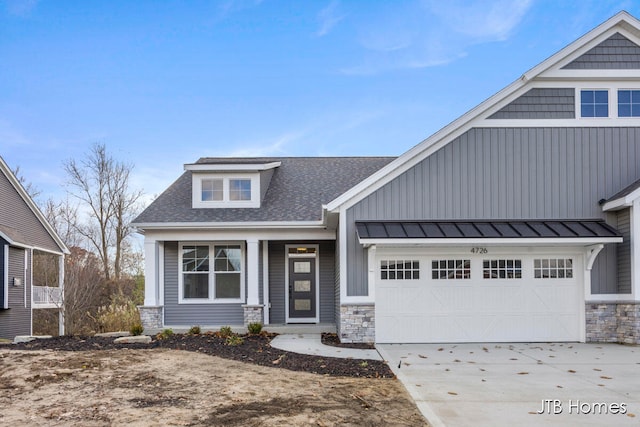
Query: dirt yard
183, 388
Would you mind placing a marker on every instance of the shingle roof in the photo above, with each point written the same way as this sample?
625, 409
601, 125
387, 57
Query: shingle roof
625, 191
298, 189
484, 229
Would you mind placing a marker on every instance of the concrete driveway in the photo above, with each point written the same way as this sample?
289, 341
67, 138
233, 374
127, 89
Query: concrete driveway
508, 384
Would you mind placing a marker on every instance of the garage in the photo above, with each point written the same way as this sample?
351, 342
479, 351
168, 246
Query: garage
450, 282
499, 296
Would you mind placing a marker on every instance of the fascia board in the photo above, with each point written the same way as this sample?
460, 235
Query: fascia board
622, 202
203, 167
32, 206
227, 225
465, 122
584, 241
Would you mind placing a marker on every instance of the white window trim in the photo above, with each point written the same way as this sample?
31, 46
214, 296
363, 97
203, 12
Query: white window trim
212, 299
196, 195
618, 89
610, 109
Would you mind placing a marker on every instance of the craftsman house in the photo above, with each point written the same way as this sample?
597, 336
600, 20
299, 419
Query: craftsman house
24, 234
519, 221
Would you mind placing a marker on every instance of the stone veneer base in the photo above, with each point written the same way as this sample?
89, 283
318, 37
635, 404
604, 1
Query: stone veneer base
252, 314
150, 316
613, 322
357, 323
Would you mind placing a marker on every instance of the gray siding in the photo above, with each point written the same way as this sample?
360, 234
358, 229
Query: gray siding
277, 281
192, 314
17, 319
615, 53
507, 173
16, 214
624, 251
541, 103
265, 180
2, 281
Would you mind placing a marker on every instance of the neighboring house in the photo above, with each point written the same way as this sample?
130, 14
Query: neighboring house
520, 221
24, 231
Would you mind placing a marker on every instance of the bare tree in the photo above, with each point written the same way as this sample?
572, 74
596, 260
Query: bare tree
102, 183
33, 191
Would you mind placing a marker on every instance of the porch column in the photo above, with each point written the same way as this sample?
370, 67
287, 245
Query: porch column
265, 281
150, 273
253, 272
61, 286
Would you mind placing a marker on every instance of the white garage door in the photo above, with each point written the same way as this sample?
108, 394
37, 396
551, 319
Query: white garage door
478, 297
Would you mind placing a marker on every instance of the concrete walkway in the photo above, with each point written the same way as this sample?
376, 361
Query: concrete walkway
312, 344
570, 384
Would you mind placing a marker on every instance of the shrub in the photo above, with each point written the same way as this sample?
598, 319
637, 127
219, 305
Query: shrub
254, 328
120, 315
165, 334
136, 329
234, 340
194, 330
225, 331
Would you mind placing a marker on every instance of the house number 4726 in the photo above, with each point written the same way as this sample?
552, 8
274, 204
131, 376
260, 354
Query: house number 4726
479, 250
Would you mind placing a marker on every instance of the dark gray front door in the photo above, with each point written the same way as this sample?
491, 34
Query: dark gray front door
302, 288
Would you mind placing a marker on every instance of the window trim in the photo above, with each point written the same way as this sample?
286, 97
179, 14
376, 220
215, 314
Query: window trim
618, 90
211, 273
226, 202
578, 98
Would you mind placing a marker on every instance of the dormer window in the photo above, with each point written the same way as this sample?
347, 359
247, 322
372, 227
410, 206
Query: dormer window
226, 190
227, 183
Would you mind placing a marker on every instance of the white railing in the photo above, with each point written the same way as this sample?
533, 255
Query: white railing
46, 296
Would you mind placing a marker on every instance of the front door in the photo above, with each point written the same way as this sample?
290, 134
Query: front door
302, 288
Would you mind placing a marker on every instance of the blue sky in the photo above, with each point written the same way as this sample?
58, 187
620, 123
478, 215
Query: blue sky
162, 83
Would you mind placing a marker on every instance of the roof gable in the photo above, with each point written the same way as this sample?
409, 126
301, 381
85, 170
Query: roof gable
622, 23
615, 53
21, 222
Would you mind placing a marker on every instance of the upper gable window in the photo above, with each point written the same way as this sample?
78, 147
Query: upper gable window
594, 103
226, 190
629, 103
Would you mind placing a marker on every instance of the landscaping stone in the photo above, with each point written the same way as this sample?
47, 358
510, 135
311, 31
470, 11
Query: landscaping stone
114, 334
28, 338
145, 339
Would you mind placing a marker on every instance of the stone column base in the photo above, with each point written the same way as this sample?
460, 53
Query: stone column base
357, 323
253, 314
150, 316
617, 321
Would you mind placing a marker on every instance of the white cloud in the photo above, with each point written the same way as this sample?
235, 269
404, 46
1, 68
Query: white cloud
480, 20
329, 18
430, 33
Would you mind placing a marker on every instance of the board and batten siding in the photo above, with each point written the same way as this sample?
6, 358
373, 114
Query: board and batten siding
508, 173
277, 267
17, 319
192, 314
624, 251
540, 103
15, 213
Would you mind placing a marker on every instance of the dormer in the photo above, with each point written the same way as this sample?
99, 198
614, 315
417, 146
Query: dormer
229, 183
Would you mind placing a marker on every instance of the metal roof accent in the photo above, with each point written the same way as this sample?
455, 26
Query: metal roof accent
485, 229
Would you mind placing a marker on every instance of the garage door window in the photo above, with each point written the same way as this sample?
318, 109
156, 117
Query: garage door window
399, 270
444, 269
502, 268
553, 268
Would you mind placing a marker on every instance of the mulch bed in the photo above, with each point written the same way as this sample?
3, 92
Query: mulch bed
254, 349
334, 341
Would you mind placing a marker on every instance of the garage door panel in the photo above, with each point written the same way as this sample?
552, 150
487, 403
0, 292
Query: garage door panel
478, 309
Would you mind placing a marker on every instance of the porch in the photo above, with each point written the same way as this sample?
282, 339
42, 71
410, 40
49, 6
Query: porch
47, 297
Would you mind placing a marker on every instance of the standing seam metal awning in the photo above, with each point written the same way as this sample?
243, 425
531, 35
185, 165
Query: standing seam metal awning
461, 231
